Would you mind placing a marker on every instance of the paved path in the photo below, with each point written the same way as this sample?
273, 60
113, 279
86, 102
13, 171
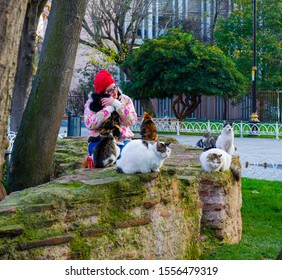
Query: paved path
262, 146
260, 158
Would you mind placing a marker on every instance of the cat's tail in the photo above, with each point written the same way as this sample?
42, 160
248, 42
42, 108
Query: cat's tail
236, 171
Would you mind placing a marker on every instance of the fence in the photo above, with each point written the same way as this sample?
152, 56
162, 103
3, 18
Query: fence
240, 129
261, 167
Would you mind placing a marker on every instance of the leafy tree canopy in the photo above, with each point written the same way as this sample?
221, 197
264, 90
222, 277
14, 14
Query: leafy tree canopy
179, 64
234, 35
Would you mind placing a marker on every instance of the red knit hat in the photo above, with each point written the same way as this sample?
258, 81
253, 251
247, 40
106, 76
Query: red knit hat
102, 80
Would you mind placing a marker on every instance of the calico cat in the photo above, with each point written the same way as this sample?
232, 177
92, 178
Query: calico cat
111, 125
225, 140
216, 160
139, 156
106, 152
148, 128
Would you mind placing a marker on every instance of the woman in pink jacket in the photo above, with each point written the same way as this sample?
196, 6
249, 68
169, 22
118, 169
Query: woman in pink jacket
101, 104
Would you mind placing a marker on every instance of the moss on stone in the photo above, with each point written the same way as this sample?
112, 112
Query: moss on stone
79, 249
108, 214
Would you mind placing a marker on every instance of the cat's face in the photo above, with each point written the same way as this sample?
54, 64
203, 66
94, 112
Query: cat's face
162, 149
207, 134
147, 115
214, 160
227, 127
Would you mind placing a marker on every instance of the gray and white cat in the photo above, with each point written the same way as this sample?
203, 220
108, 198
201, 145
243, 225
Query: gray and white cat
106, 152
139, 156
216, 160
207, 142
225, 140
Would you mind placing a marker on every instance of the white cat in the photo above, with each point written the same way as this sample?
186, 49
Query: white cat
216, 160
225, 140
139, 156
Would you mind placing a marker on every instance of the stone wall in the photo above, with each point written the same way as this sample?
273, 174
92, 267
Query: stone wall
101, 214
222, 201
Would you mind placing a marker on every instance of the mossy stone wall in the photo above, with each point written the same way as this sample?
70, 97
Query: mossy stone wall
101, 214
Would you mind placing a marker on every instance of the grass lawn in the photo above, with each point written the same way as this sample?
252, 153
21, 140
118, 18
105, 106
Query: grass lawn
262, 224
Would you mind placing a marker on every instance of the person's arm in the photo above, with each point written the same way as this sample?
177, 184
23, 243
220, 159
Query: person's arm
94, 120
126, 110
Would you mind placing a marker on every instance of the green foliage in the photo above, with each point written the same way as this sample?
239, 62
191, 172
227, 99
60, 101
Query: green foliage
234, 35
262, 216
179, 64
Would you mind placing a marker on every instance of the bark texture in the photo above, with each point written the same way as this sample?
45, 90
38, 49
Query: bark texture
25, 62
32, 156
11, 21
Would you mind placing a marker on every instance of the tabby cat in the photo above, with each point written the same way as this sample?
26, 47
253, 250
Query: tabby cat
207, 142
148, 128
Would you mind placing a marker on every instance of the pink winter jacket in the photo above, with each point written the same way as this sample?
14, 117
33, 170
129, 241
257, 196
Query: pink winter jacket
123, 106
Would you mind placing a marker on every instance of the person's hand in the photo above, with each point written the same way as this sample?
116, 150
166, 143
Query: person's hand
107, 101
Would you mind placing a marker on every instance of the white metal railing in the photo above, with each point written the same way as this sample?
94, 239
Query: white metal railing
171, 125
260, 167
240, 128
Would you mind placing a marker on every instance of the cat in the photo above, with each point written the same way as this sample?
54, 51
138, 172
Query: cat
111, 125
225, 140
106, 152
148, 128
207, 142
216, 160
139, 156
200, 144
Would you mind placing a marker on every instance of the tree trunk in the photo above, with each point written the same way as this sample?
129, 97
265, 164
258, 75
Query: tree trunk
183, 108
25, 62
224, 113
11, 21
32, 156
147, 106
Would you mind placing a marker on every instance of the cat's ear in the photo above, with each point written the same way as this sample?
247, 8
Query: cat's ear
224, 123
219, 155
167, 144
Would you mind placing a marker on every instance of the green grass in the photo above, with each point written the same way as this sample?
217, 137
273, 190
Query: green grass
262, 224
